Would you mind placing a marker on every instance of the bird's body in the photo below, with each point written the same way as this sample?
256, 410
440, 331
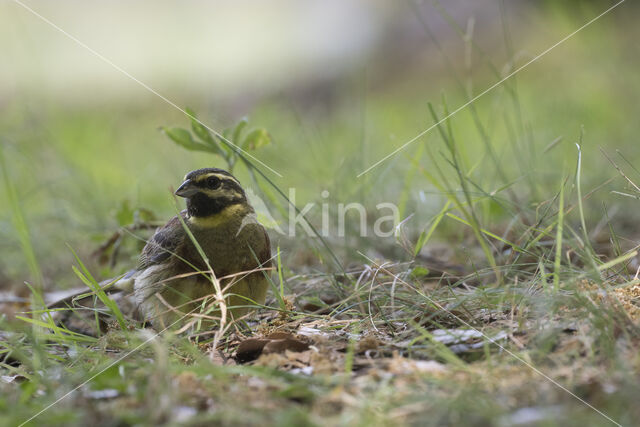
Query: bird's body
172, 277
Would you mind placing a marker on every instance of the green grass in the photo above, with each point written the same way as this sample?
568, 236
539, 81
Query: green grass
536, 238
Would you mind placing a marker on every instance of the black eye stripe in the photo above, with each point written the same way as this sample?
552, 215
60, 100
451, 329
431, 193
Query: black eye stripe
221, 181
205, 181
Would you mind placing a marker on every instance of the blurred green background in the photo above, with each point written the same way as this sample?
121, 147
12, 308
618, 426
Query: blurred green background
338, 84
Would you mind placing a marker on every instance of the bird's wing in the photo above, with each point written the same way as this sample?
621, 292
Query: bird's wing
163, 243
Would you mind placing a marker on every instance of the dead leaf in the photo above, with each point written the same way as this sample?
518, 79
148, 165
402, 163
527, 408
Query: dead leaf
250, 349
275, 343
279, 335
280, 346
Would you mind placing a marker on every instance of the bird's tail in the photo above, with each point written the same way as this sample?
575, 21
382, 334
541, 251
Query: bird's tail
110, 286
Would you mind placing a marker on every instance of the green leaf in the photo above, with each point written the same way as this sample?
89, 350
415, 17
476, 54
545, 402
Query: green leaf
257, 138
238, 130
202, 132
419, 271
183, 138
180, 136
224, 143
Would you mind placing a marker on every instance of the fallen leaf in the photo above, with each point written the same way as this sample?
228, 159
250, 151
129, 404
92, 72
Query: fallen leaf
275, 343
250, 349
280, 346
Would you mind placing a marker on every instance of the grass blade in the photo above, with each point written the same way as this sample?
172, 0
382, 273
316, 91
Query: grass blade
99, 291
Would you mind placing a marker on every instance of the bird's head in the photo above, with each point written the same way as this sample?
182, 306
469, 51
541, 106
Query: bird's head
209, 191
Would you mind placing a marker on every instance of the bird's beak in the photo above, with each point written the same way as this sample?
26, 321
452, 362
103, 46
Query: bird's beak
187, 189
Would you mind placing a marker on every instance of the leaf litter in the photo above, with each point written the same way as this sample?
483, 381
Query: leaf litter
357, 351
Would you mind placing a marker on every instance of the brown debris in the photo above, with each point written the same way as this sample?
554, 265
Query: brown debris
275, 343
630, 299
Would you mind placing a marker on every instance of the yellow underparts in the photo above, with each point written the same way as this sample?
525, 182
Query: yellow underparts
220, 218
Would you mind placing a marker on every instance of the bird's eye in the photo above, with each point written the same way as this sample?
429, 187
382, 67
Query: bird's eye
213, 182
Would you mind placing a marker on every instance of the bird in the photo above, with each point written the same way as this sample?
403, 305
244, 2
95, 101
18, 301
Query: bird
217, 233
173, 277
